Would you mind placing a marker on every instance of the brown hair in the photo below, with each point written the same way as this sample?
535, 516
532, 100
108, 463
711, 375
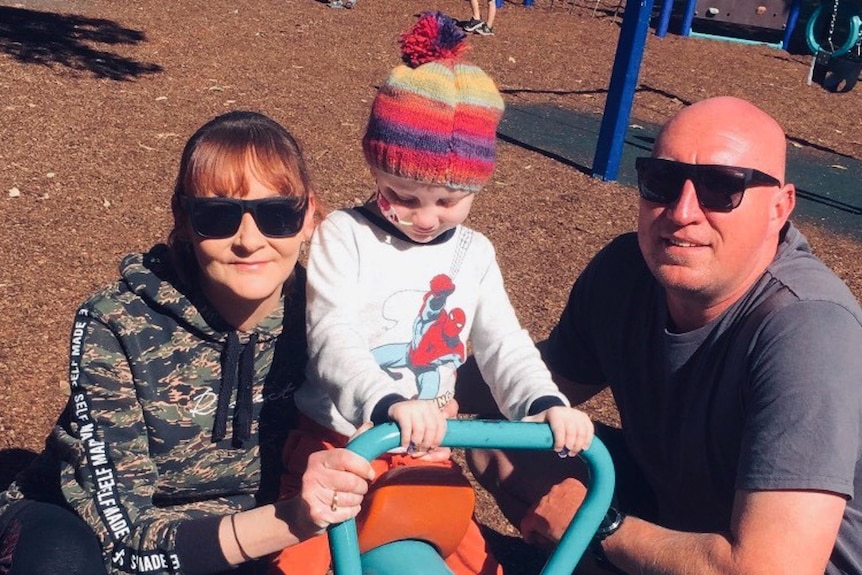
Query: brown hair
217, 160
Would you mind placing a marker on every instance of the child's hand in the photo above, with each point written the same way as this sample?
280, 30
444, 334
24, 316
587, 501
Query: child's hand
572, 429
422, 424
449, 411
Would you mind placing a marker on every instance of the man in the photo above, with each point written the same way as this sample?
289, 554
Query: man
735, 359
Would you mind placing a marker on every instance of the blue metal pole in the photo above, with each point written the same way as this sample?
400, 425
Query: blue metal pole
621, 91
792, 18
687, 18
664, 18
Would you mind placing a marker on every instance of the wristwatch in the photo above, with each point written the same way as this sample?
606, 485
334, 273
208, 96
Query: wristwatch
609, 525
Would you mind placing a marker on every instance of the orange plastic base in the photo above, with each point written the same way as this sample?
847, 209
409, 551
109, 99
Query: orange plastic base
433, 504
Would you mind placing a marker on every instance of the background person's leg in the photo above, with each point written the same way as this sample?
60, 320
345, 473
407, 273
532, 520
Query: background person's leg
492, 13
475, 17
47, 539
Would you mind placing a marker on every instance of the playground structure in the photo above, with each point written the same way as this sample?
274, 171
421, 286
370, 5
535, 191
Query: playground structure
625, 72
833, 36
832, 32
621, 91
761, 14
632, 41
412, 548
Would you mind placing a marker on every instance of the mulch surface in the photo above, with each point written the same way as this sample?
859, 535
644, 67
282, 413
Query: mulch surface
98, 97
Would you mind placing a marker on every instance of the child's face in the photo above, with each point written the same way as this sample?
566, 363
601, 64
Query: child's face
421, 211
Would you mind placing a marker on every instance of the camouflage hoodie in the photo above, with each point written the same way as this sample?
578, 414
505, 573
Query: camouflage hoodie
174, 419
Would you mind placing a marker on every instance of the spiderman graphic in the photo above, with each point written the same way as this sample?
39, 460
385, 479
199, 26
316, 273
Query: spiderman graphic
436, 341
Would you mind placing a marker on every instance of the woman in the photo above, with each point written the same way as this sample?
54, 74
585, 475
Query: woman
182, 377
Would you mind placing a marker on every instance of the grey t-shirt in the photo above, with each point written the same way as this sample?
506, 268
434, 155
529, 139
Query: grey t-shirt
767, 396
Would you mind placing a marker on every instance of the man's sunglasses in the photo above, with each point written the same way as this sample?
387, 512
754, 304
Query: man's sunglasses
718, 188
218, 218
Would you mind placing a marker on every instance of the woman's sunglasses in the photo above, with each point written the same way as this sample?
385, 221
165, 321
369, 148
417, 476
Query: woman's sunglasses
718, 188
218, 218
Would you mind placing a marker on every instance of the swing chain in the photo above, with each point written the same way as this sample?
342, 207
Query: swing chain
858, 47
832, 25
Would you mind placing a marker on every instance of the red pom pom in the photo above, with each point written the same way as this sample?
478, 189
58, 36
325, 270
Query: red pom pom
435, 36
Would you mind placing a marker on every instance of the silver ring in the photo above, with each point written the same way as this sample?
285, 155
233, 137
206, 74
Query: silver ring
334, 505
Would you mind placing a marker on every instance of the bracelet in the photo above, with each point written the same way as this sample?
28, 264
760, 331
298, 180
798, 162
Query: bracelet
245, 556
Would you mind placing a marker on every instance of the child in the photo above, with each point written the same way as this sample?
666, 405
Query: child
397, 286
478, 26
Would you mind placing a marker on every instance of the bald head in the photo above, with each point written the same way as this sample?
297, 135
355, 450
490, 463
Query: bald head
707, 258
724, 130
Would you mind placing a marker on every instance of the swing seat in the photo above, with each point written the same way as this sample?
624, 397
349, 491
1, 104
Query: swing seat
842, 74
432, 504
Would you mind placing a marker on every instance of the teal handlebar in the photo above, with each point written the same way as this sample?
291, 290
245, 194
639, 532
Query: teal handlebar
343, 539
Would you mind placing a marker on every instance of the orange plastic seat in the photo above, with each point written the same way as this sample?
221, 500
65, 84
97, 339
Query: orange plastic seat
433, 504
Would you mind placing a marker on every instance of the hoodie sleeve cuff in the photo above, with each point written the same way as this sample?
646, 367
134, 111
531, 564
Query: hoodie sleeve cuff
198, 548
380, 413
543, 403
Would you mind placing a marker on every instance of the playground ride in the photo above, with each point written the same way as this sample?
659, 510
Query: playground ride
410, 520
836, 64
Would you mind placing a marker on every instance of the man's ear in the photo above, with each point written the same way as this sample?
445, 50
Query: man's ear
783, 204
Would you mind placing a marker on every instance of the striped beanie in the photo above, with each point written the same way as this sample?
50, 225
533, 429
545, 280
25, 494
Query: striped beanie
434, 120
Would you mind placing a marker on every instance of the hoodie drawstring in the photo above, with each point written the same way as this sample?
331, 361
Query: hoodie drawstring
244, 411
237, 373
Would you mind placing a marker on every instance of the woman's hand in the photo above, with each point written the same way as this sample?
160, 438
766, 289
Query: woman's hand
333, 486
572, 429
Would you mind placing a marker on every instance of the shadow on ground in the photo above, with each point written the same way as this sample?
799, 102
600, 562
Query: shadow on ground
826, 180
50, 39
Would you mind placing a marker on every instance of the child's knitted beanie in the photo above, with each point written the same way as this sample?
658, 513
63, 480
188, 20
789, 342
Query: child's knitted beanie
434, 120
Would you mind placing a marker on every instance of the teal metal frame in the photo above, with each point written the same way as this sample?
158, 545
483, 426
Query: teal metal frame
343, 539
